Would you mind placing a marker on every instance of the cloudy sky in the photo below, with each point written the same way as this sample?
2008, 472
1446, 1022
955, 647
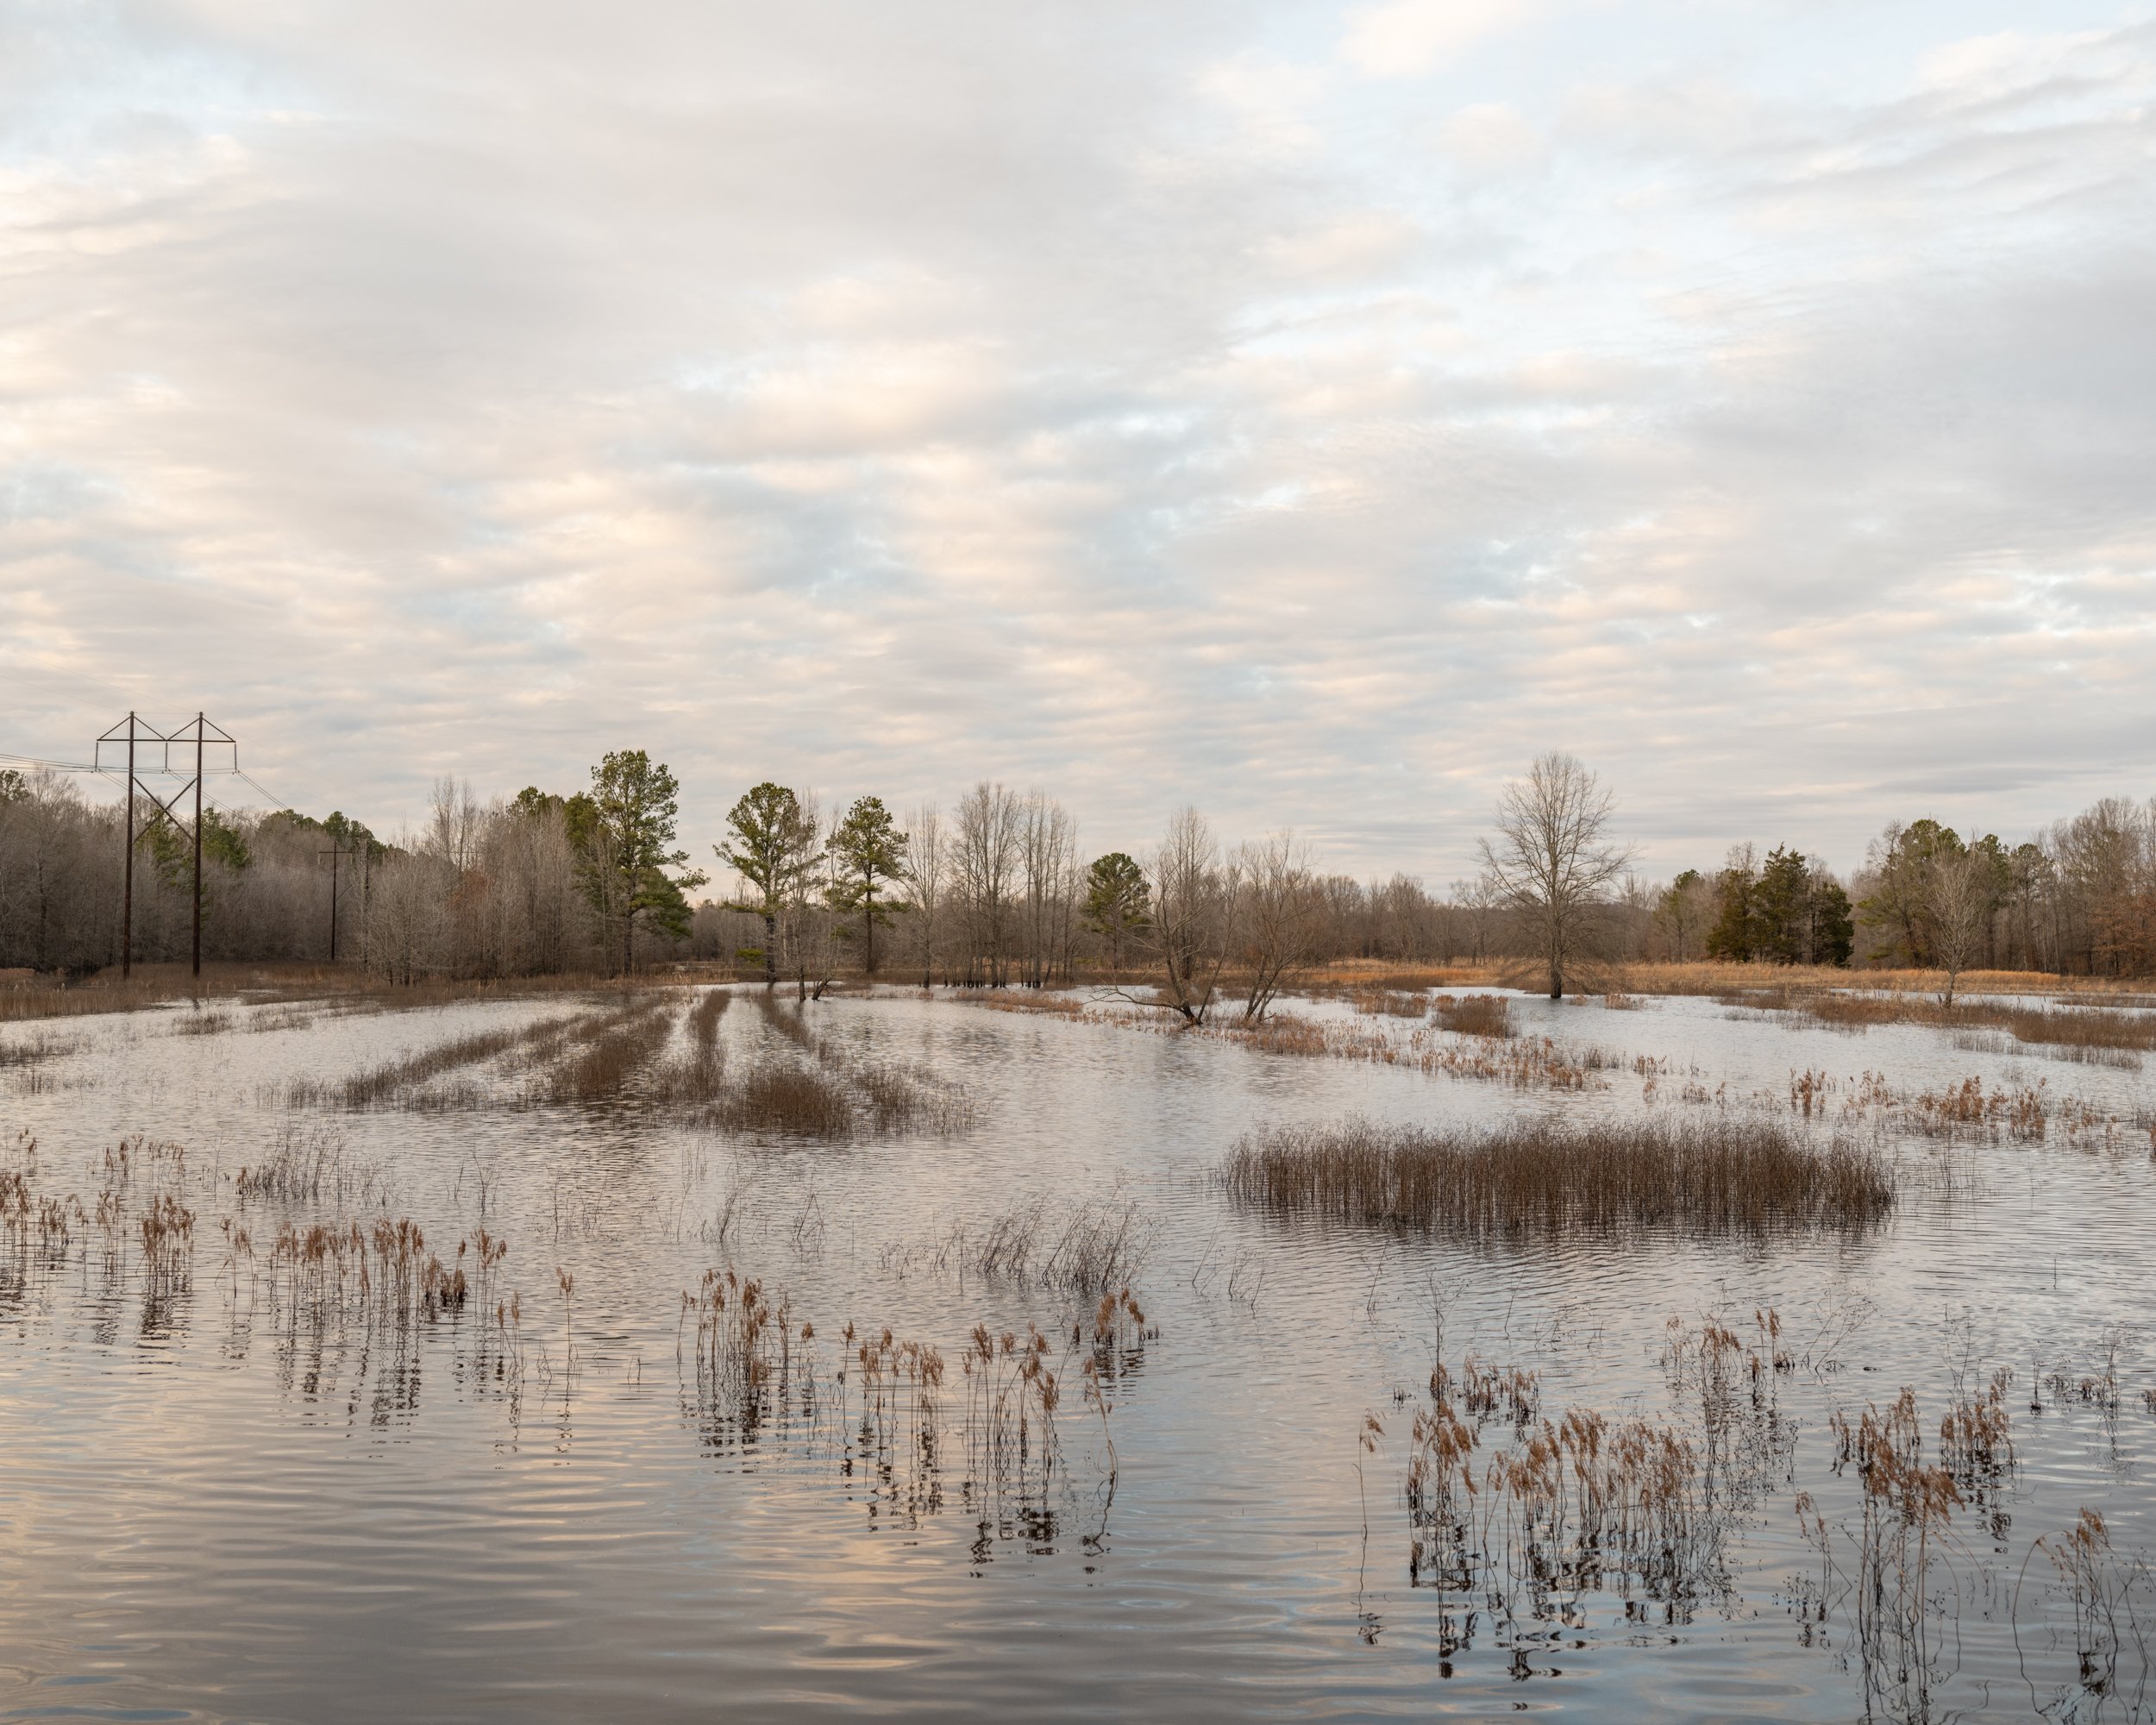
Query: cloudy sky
1309, 411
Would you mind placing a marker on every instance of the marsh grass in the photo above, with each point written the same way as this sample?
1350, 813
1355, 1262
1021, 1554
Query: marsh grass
1489, 1015
403, 1082
1392, 1003
1089, 1249
1704, 1176
783, 1096
2100, 1035
697, 1078
600, 1071
22, 1052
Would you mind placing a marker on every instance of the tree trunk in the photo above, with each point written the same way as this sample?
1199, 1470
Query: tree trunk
869, 924
770, 950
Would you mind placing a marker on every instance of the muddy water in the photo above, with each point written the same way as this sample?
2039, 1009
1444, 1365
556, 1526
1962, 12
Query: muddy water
213, 1505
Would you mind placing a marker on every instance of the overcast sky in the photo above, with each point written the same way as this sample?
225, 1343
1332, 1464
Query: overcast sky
1310, 412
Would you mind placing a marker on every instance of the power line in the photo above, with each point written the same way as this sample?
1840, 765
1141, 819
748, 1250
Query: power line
50, 766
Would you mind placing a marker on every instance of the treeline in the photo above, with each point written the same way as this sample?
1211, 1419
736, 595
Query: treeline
2077, 899
999, 890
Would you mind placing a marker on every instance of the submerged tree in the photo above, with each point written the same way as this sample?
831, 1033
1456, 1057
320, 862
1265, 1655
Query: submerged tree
867, 853
1118, 902
1187, 931
1275, 908
772, 849
1552, 859
623, 829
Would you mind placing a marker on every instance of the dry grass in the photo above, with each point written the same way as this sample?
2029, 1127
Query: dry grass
1706, 977
1390, 1003
1546, 1179
398, 1082
1475, 1014
782, 1096
698, 1077
157, 985
1487, 1056
1090, 1248
1025, 1000
1350, 976
600, 1071
35, 1047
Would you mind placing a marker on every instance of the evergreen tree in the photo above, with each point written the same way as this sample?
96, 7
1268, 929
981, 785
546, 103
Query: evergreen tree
1118, 902
869, 851
1734, 934
773, 849
623, 830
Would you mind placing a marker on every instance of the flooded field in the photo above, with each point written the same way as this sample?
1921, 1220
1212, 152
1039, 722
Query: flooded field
651, 1356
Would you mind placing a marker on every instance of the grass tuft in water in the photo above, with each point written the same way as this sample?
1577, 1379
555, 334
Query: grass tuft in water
1542, 1177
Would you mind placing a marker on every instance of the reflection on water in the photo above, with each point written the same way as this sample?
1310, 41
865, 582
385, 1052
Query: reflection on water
636, 1357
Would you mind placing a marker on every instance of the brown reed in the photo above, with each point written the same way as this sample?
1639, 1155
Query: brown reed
1538, 1177
600, 1070
1487, 1016
780, 1095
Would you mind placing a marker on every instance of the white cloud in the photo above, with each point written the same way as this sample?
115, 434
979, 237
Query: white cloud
1407, 38
1491, 138
1120, 401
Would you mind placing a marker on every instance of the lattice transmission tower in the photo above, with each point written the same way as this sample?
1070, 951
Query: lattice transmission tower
141, 739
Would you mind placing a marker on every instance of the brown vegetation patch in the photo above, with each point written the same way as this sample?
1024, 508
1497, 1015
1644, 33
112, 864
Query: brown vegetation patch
1475, 1014
599, 1072
1716, 1175
782, 1096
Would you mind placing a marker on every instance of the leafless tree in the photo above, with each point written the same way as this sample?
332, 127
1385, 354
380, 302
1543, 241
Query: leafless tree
1552, 860
1187, 935
1048, 845
927, 879
454, 823
1957, 901
985, 859
1476, 905
1277, 912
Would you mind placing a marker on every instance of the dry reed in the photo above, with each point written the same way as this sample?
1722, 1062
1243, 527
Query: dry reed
1704, 1176
783, 1096
1487, 1016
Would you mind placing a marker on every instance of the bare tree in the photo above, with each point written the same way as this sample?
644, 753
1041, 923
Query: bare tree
928, 877
1683, 911
1552, 860
1048, 843
1189, 922
1278, 912
1958, 903
1476, 903
985, 864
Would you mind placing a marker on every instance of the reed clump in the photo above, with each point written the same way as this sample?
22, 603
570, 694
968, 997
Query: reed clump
305, 1167
600, 1071
1088, 1249
783, 1096
697, 1078
1543, 1178
1558, 1508
1391, 1003
752, 1361
2093, 1034
1487, 1016
20, 1052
